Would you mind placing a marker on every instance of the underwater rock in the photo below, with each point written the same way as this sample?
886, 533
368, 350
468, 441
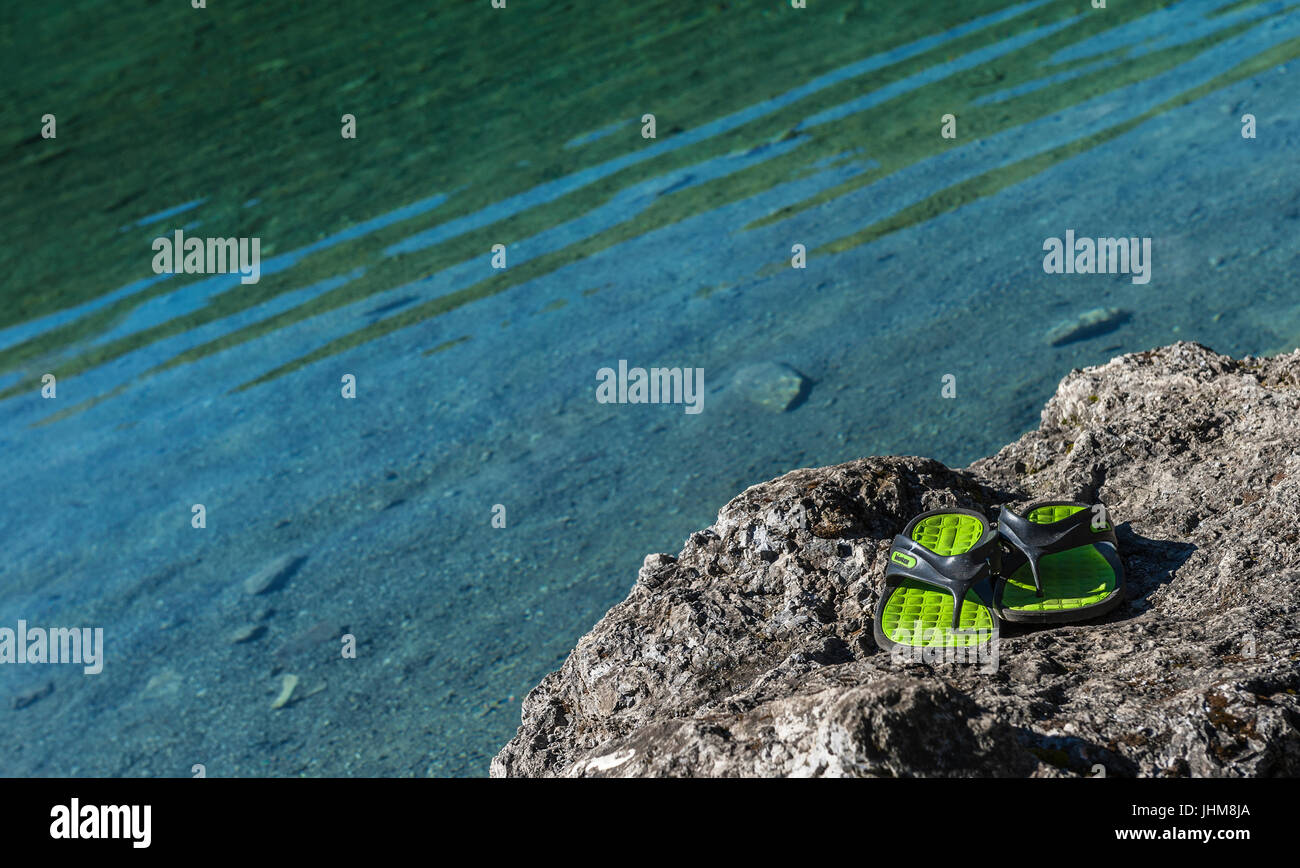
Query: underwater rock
288, 684
1088, 324
247, 633
272, 576
773, 385
24, 698
164, 684
310, 639
751, 651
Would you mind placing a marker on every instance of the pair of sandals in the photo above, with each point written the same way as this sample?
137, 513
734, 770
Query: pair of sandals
953, 576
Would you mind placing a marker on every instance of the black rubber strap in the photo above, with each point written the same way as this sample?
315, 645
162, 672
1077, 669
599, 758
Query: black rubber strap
956, 574
1034, 540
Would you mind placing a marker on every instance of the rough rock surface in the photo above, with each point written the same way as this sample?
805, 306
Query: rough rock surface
750, 652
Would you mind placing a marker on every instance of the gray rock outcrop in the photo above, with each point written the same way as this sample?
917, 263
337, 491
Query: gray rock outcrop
751, 652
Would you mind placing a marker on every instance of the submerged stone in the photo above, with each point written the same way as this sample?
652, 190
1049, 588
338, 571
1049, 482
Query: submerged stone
1088, 324
773, 385
273, 575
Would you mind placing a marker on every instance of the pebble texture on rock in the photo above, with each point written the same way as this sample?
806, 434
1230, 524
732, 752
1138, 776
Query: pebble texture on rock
750, 652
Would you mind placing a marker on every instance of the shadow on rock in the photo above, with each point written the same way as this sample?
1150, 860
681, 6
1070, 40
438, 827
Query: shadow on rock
1150, 564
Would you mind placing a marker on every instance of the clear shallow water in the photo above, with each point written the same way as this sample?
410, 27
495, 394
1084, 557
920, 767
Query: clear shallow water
477, 388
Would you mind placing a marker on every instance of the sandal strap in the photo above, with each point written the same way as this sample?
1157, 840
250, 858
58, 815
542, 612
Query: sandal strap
956, 574
1035, 540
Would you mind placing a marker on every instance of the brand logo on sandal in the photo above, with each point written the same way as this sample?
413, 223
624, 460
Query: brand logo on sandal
905, 560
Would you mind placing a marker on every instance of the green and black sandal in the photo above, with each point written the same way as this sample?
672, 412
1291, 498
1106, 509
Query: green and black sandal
939, 583
1062, 564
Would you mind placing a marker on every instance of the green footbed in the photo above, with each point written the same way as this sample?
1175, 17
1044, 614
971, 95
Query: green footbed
1049, 514
1072, 579
951, 533
919, 615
